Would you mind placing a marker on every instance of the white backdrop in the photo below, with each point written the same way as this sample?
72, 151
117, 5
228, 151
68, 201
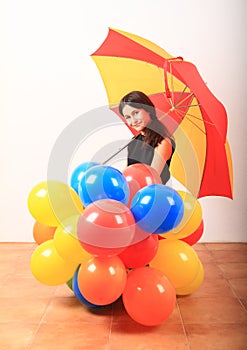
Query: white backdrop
48, 79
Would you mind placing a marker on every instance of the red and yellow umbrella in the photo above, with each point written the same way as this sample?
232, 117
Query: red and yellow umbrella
195, 117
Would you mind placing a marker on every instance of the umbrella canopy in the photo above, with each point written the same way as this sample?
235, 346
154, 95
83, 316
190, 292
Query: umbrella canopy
195, 117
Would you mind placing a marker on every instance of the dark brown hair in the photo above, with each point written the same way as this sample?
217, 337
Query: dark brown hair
155, 131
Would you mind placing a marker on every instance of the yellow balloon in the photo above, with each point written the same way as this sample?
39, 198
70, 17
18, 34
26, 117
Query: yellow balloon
67, 243
48, 267
178, 261
51, 202
194, 285
191, 219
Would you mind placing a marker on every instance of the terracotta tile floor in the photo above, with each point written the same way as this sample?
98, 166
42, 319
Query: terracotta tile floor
37, 317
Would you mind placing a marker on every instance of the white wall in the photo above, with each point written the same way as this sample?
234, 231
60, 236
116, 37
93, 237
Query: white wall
48, 79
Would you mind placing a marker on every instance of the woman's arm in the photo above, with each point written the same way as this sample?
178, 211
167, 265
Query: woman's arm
161, 154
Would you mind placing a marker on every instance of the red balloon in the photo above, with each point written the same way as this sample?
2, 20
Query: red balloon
139, 254
102, 280
106, 227
149, 297
195, 236
140, 175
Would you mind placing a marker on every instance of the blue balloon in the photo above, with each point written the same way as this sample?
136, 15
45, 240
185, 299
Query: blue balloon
78, 294
103, 182
157, 208
78, 173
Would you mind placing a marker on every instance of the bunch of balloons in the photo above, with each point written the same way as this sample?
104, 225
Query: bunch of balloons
111, 234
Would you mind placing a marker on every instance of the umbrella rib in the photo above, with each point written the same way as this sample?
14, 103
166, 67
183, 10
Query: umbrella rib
181, 94
194, 105
198, 127
184, 99
202, 120
193, 116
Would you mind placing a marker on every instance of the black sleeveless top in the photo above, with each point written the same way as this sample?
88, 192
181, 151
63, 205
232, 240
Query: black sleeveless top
140, 152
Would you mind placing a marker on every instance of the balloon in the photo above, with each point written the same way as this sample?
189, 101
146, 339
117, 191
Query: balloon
139, 254
139, 235
191, 219
191, 239
42, 233
195, 236
50, 202
102, 281
67, 243
194, 285
78, 172
78, 294
48, 267
140, 175
106, 227
178, 261
103, 182
157, 208
149, 297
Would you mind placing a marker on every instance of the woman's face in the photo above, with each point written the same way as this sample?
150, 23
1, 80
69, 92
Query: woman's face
136, 118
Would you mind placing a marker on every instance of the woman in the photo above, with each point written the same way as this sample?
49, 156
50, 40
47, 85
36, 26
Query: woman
153, 145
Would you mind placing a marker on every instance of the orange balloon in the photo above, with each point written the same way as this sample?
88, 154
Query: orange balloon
194, 285
102, 280
42, 233
149, 297
178, 261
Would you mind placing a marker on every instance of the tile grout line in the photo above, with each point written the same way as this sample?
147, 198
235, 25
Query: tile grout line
242, 304
29, 347
184, 330
110, 330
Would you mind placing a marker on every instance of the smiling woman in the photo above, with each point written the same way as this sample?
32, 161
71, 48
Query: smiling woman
153, 145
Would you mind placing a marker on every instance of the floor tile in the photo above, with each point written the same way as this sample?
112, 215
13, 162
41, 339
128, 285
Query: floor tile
208, 310
239, 286
18, 287
16, 336
17, 246
63, 290
234, 270
66, 336
229, 256
212, 271
205, 256
23, 265
217, 336
70, 310
199, 246
226, 246
213, 288
126, 336
22, 309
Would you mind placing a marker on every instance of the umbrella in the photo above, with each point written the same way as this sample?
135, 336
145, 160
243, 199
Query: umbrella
195, 117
